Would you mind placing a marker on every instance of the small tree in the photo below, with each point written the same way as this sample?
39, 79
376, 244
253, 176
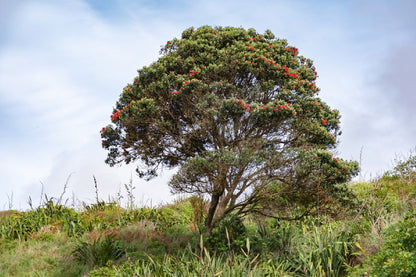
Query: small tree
237, 113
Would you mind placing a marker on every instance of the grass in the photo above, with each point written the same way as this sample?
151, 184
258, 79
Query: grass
45, 255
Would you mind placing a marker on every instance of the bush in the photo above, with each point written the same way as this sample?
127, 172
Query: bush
99, 251
398, 254
277, 237
230, 234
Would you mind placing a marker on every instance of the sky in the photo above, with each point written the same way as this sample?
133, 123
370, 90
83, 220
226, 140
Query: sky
63, 65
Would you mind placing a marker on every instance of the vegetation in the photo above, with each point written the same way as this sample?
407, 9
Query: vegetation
238, 113
377, 238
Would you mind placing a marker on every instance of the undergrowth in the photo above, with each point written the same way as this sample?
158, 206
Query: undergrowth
377, 238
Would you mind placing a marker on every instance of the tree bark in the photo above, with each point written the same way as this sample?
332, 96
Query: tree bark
211, 211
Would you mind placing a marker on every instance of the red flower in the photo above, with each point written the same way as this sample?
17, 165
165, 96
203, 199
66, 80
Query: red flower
219, 83
175, 92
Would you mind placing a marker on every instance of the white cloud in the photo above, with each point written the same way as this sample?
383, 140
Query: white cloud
62, 70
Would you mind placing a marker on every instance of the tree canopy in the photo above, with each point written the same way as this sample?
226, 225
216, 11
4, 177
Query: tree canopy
238, 114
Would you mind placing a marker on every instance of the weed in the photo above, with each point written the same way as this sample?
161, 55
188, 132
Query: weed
98, 252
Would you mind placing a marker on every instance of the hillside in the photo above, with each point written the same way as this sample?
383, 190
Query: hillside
375, 235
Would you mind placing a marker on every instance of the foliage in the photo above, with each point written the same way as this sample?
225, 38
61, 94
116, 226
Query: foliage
398, 254
277, 238
238, 113
198, 208
99, 251
404, 169
24, 224
324, 252
385, 202
306, 249
229, 235
100, 216
185, 265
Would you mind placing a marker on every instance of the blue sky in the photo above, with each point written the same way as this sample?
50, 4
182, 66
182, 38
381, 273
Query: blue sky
63, 65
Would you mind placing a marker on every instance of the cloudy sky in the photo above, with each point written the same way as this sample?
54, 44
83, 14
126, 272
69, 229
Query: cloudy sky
63, 65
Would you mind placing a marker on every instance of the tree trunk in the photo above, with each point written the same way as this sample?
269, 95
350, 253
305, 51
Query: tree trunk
211, 211
222, 204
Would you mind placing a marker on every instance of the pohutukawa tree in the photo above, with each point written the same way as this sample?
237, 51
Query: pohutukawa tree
237, 113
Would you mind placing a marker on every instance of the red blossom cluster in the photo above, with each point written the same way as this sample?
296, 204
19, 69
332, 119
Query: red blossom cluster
192, 72
293, 50
329, 135
116, 114
243, 105
282, 107
294, 75
260, 37
186, 82
324, 121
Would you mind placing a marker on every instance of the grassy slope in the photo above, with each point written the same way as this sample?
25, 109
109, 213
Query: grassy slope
42, 242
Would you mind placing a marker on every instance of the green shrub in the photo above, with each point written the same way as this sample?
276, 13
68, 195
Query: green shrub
23, 225
323, 251
184, 264
398, 254
99, 251
277, 238
230, 234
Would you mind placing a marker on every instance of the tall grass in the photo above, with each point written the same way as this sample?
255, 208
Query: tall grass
99, 251
184, 264
324, 251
